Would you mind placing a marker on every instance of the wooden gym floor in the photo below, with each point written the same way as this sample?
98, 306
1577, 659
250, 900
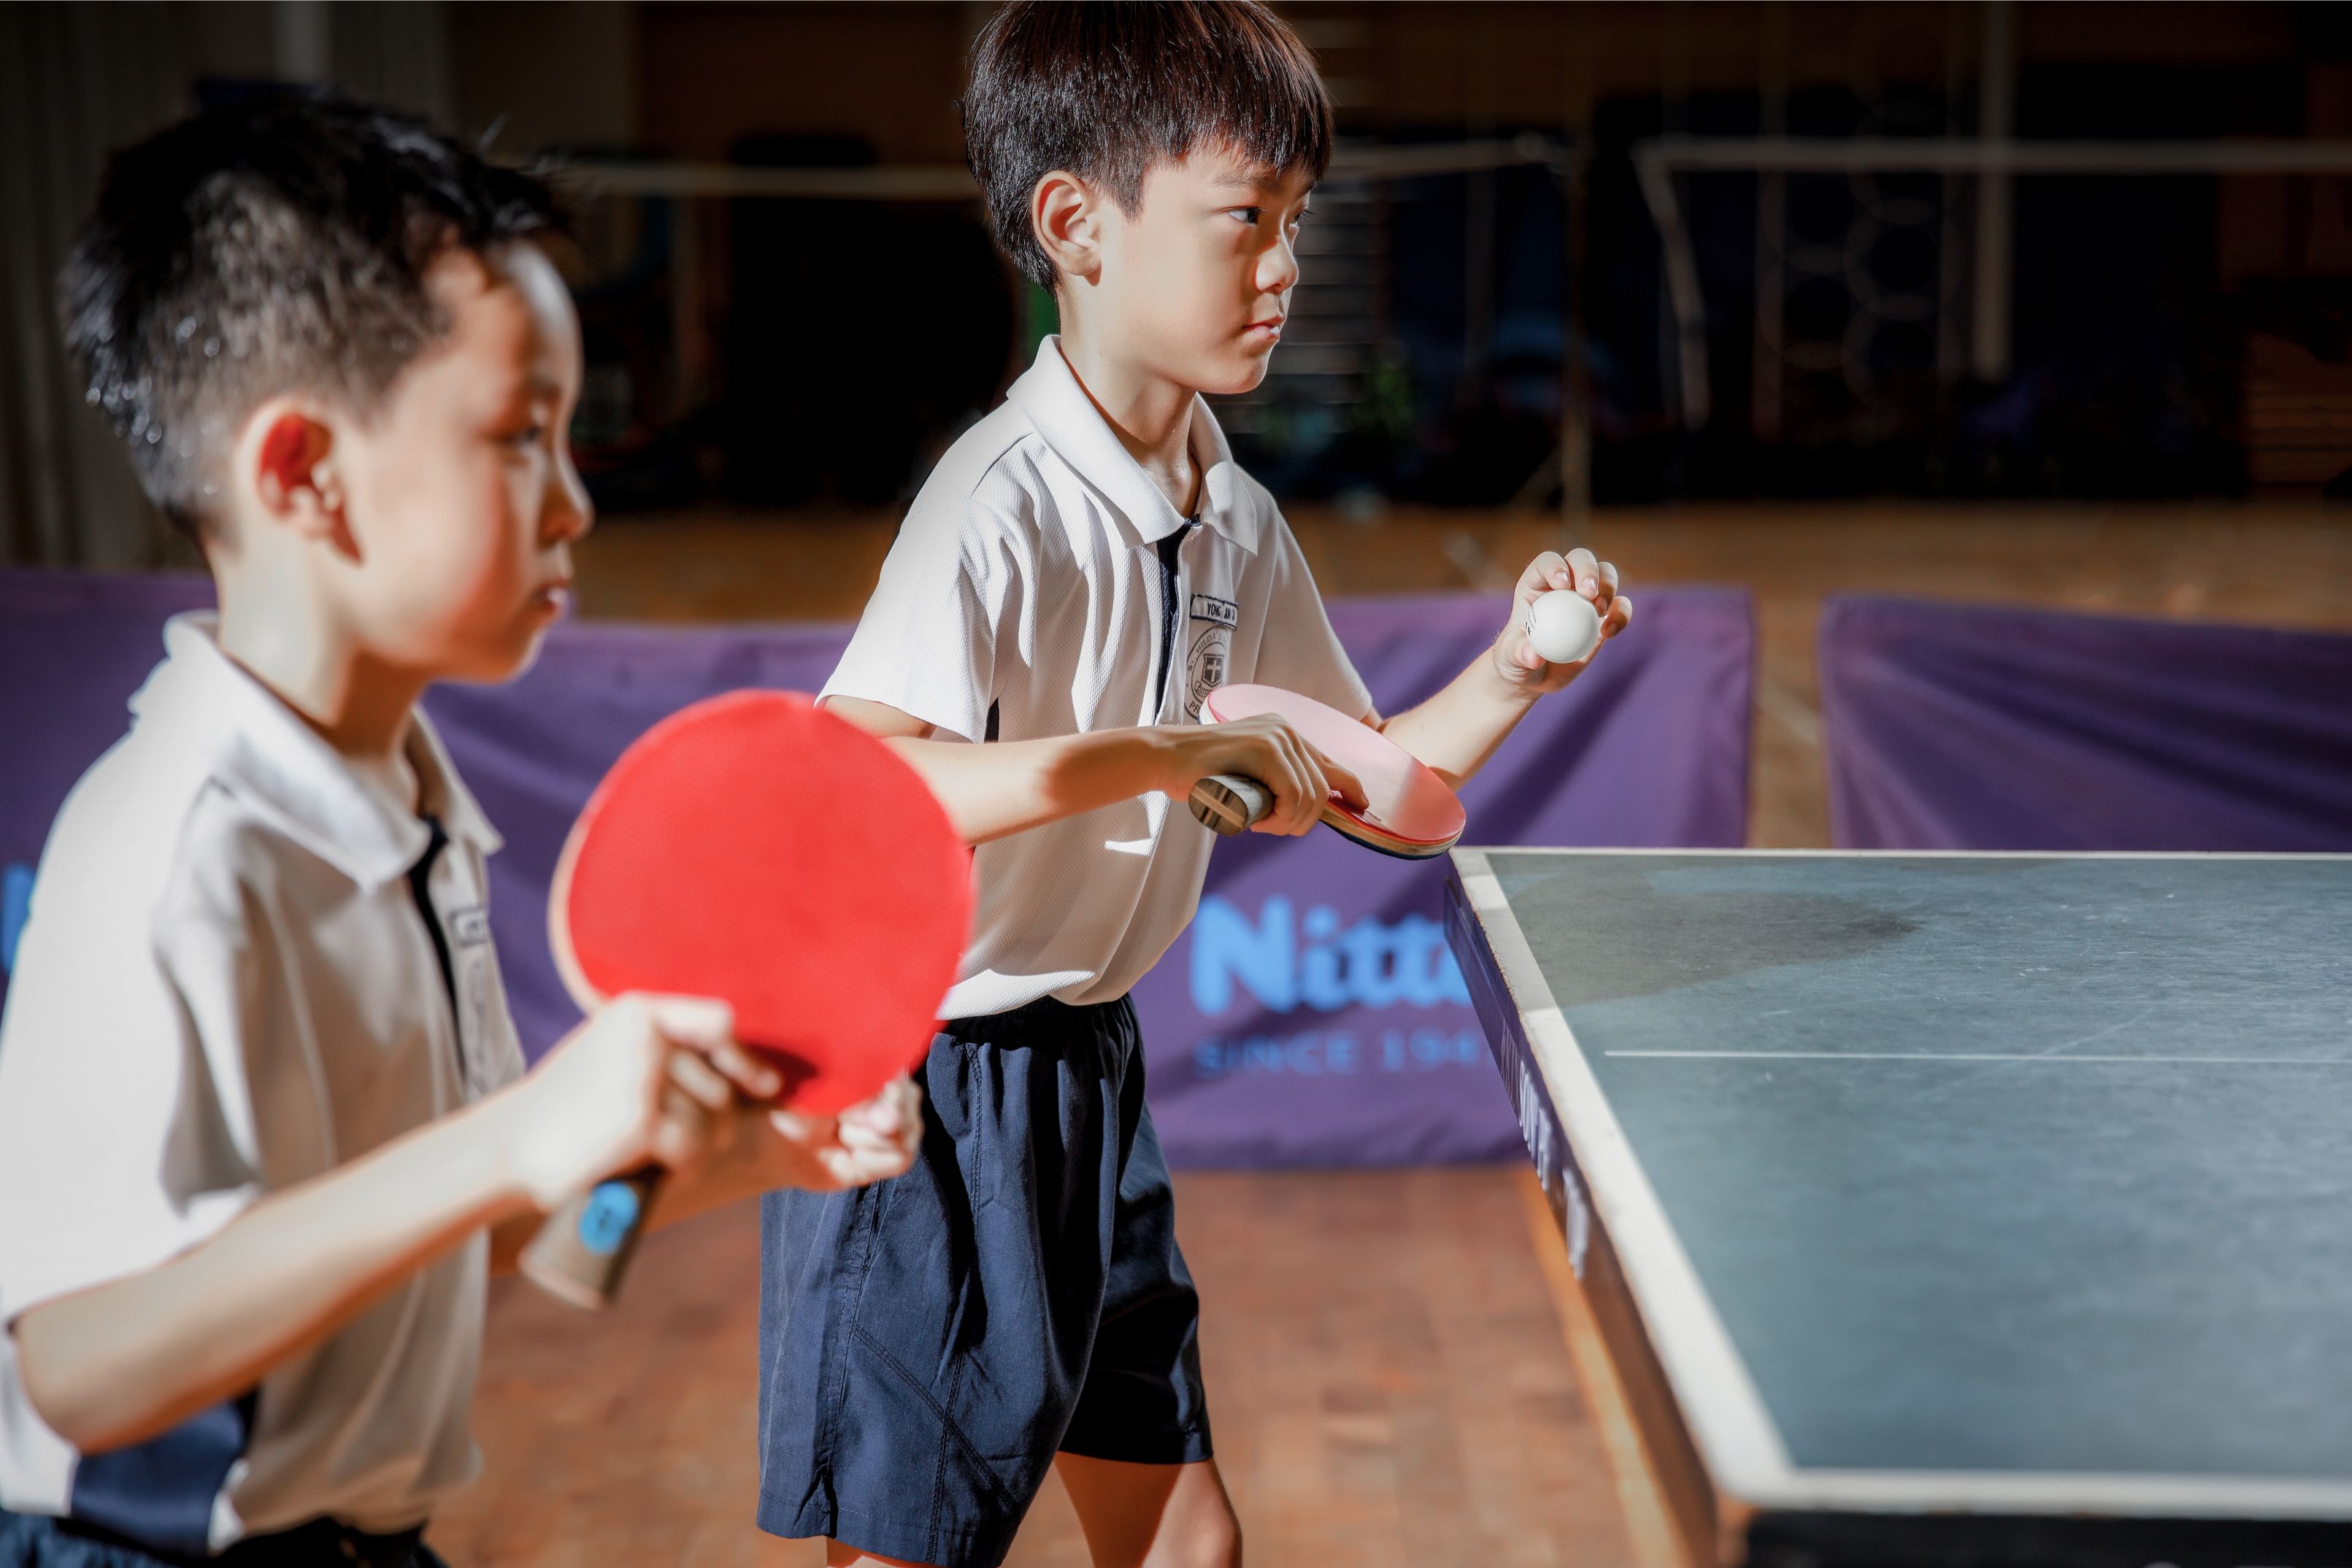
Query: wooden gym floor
1382, 1351
1389, 1353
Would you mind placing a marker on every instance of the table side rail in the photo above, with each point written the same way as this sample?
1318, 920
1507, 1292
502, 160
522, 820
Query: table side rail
1699, 1513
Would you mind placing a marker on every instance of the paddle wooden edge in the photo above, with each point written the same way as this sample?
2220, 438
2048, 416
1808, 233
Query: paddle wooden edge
559, 926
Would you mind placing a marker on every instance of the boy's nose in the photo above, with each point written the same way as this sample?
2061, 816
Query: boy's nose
569, 513
1278, 267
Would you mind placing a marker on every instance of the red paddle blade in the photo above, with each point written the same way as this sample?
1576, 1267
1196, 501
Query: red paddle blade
756, 848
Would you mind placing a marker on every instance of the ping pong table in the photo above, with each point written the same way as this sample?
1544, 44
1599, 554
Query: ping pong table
1947, 1208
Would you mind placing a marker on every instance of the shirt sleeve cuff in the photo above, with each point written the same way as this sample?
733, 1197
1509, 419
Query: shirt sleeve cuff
937, 711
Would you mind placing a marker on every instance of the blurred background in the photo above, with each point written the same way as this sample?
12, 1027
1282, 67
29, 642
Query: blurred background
1569, 255
1801, 297
2036, 315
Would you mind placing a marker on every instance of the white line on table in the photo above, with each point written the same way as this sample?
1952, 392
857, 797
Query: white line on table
1984, 1057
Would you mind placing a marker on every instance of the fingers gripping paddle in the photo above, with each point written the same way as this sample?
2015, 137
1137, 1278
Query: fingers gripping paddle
756, 848
1408, 810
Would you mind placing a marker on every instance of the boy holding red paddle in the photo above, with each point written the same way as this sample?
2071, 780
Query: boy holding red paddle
264, 1122
1081, 569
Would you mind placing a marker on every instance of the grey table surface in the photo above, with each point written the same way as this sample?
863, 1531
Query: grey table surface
1989, 1163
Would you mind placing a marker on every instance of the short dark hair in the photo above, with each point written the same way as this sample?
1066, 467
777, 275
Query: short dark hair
275, 245
1108, 91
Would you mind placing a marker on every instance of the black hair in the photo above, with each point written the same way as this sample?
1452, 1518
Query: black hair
1109, 90
274, 245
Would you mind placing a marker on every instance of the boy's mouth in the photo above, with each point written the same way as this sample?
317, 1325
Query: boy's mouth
552, 598
1266, 331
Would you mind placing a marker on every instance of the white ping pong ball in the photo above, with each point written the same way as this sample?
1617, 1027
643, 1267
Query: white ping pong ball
1563, 626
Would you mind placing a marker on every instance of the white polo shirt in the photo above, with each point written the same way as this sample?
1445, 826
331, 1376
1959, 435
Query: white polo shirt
227, 985
1028, 582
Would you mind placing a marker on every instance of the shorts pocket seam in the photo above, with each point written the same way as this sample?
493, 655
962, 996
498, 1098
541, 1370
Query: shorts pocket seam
986, 1471
847, 1299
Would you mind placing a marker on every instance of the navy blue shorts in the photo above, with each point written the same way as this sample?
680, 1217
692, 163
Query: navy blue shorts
929, 1344
29, 1541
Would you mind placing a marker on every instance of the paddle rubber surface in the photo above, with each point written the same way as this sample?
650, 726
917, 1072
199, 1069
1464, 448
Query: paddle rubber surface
756, 848
1407, 809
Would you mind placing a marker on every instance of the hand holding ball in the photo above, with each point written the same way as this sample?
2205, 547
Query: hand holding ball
1563, 626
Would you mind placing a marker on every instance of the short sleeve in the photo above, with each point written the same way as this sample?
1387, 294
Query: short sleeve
119, 1105
1299, 651
950, 588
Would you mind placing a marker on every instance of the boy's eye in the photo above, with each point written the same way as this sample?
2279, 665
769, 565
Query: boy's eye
528, 436
1248, 214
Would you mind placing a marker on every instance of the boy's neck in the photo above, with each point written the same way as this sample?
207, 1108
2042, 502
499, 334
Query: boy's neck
1150, 414
356, 703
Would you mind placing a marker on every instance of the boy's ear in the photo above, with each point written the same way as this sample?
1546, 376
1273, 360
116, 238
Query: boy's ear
1066, 214
292, 468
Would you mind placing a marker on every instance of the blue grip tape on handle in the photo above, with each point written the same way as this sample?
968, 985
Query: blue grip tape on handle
606, 1217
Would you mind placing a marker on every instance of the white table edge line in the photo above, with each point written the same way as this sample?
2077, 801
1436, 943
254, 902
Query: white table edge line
1718, 1397
2055, 1057
1693, 852
2056, 1492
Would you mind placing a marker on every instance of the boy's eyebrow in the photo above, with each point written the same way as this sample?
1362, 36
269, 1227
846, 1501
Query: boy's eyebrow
1262, 192
1263, 181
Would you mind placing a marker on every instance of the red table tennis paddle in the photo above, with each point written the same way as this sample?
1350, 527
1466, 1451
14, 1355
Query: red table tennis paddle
755, 848
1408, 810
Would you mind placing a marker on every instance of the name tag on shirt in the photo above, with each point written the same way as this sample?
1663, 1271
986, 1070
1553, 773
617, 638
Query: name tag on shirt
1224, 611
469, 927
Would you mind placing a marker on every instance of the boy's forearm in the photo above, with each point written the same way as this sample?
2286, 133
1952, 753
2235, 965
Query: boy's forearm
121, 1361
1001, 788
1455, 732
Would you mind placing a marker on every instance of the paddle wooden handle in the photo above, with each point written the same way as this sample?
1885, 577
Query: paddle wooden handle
583, 1249
1229, 803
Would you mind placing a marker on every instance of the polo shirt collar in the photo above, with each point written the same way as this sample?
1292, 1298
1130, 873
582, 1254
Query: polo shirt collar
1068, 421
262, 749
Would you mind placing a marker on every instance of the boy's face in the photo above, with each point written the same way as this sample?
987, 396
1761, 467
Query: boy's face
1197, 282
460, 495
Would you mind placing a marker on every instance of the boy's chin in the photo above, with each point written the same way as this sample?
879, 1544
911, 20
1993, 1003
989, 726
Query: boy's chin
1230, 374
498, 659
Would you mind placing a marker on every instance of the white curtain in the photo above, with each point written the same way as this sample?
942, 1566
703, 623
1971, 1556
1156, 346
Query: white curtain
77, 80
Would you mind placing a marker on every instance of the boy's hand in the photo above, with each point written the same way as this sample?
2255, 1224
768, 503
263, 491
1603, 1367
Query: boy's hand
1521, 667
1265, 748
640, 1080
870, 1141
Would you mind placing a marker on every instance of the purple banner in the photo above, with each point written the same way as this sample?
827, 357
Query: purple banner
1313, 1017
1973, 727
